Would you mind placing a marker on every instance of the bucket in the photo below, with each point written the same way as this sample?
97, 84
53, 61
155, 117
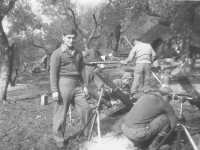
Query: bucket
44, 99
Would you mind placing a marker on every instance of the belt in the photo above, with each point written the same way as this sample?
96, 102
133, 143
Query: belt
70, 77
147, 127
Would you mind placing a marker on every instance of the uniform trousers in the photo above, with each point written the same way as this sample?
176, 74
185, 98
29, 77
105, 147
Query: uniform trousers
159, 126
141, 70
70, 93
89, 72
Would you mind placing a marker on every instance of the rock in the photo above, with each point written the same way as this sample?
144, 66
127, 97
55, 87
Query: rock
111, 141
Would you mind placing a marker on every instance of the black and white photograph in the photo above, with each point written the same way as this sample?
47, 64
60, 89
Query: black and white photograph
99, 75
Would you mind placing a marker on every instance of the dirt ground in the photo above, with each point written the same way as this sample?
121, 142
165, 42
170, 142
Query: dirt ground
25, 124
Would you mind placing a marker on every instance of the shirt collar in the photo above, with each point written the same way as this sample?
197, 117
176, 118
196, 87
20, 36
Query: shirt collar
64, 49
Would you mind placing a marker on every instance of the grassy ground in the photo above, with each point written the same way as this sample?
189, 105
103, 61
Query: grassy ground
27, 125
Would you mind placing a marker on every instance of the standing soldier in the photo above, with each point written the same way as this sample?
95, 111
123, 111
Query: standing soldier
144, 55
66, 72
90, 55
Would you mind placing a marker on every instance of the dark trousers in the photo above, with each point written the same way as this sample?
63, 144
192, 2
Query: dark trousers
159, 126
89, 72
70, 93
141, 70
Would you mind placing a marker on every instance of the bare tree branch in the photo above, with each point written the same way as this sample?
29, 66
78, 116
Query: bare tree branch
149, 7
29, 58
31, 42
74, 18
127, 28
74, 21
6, 8
91, 37
95, 37
95, 20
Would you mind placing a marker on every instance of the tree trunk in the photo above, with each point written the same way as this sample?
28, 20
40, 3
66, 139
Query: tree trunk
14, 79
11, 59
4, 64
117, 34
182, 27
14, 61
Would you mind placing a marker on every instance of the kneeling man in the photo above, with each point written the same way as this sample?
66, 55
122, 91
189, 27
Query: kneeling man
123, 84
150, 118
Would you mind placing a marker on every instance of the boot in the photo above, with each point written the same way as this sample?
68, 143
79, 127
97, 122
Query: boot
155, 142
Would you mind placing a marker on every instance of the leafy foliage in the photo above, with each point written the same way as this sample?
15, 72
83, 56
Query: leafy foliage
40, 27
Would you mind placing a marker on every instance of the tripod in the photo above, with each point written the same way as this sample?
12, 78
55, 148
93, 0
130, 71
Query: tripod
180, 126
96, 116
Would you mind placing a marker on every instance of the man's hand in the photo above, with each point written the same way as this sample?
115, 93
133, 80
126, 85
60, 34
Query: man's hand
114, 102
123, 62
85, 90
55, 96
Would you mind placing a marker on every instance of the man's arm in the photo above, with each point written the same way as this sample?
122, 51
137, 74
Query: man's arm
54, 71
153, 55
82, 71
85, 55
168, 109
131, 56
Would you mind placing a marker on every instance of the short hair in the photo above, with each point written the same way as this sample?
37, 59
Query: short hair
69, 31
136, 39
165, 89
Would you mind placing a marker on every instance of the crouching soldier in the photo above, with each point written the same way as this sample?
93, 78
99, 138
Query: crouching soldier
123, 84
150, 118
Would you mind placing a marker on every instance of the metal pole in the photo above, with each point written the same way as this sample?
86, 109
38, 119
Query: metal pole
85, 127
165, 138
181, 108
128, 41
156, 77
98, 126
100, 97
92, 127
178, 144
190, 138
98, 116
70, 115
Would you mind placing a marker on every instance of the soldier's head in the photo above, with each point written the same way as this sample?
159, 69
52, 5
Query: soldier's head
166, 93
69, 36
127, 78
135, 41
